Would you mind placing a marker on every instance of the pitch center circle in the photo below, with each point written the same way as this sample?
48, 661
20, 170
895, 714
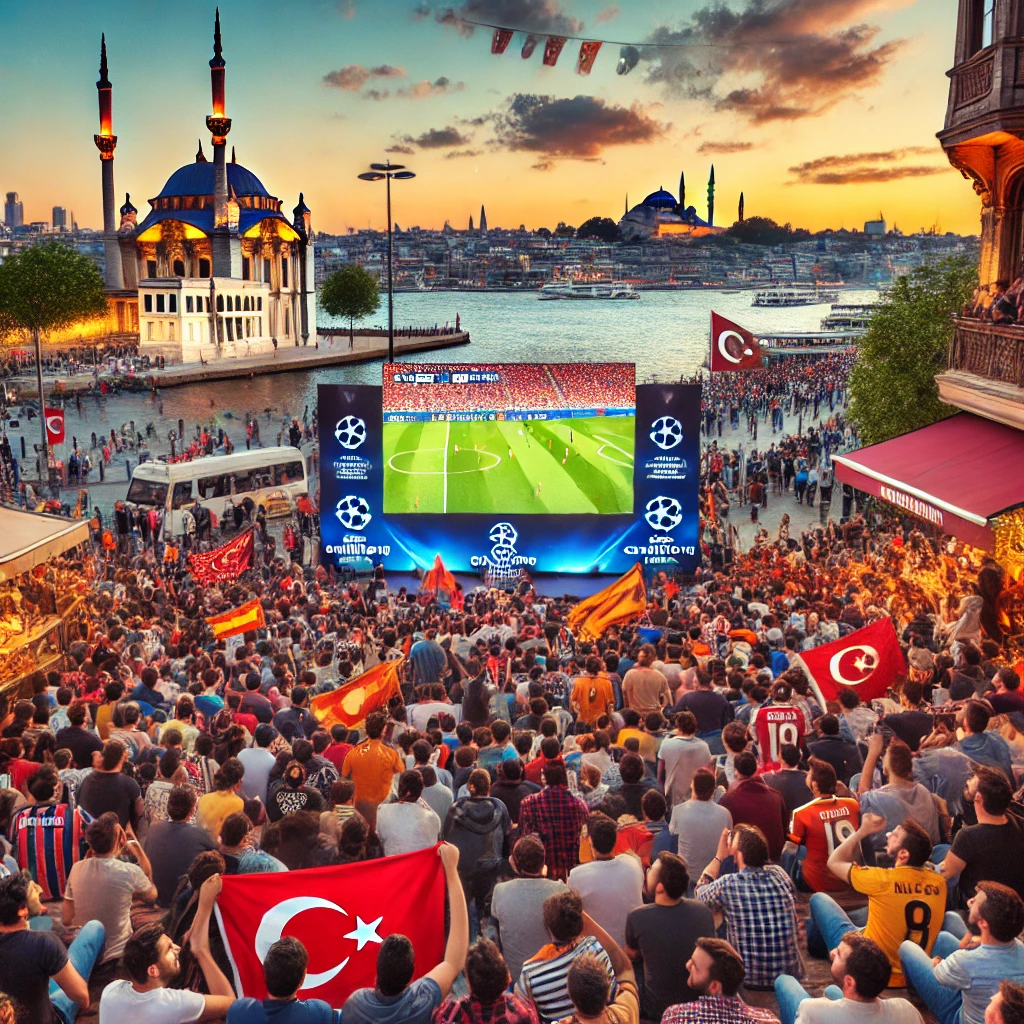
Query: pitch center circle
441, 472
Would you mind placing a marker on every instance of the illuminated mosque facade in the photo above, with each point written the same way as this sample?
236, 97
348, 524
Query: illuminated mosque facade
215, 269
661, 215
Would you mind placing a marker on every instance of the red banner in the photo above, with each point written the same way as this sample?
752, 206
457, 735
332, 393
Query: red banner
341, 914
868, 660
733, 347
529, 45
502, 37
55, 426
588, 54
552, 49
223, 564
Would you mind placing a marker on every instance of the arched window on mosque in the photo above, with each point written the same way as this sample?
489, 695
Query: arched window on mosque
220, 303
204, 268
179, 268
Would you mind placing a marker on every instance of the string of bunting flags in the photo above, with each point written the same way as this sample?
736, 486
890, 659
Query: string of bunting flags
553, 46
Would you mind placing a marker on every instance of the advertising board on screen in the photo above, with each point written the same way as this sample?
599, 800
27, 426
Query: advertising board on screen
502, 467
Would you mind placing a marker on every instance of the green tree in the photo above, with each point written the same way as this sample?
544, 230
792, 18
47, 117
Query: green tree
564, 230
352, 292
46, 288
892, 384
603, 228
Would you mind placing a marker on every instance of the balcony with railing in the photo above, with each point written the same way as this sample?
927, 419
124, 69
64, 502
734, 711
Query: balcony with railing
985, 370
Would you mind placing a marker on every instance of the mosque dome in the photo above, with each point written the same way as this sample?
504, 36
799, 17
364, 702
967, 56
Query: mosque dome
197, 179
661, 200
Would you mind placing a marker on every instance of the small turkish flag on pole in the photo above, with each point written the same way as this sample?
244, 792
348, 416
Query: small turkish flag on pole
868, 661
55, 426
341, 915
733, 347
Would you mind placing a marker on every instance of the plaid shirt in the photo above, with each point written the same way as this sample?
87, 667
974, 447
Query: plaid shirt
717, 1010
557, 817
508, 1009
760, 916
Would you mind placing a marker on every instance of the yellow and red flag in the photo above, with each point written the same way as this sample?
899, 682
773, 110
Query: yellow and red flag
438, 578
223, 564
238, 620
351, 703
625, 599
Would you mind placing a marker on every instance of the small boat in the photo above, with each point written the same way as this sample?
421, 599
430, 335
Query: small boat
792, 295
854, 316
588, 290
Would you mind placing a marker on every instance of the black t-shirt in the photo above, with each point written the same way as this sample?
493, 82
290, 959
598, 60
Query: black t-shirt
665, 937
28, 960
171, 847
910, 726
841, 754
992, 853
712, 711
107, 791
792, 785
81, 743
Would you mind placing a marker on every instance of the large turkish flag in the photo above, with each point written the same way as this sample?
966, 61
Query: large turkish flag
733, 347
868, 660
341, 914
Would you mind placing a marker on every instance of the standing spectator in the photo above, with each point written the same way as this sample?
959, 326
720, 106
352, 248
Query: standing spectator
679, 757
557, 817
258, 761
371, 766
661, 934
214, 807
297, 721
592, 694
106, 789
409, 824
645, 689
699, 822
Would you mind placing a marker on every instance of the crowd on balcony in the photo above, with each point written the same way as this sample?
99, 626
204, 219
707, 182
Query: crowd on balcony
998, 305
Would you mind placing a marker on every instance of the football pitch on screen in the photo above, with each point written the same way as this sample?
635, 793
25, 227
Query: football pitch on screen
512, 466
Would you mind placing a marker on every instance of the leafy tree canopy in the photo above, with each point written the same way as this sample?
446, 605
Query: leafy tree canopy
351, 292
563, 230
764, 231
599, 227
893, 381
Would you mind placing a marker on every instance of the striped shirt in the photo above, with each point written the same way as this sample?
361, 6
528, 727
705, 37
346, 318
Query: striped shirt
47, 840
545, 976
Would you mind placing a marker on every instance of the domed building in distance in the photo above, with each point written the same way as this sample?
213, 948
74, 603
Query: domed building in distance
216, 270
661, 215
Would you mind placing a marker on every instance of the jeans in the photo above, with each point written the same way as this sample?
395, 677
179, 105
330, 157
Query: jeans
789, 994
83, 954
829, 923
790, 863
920, 976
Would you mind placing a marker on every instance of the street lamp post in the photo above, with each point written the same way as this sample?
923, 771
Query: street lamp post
385, 172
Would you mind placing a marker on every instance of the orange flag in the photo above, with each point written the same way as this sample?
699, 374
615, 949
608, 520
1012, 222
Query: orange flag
438, 578
352, 702
238, 620
625, 599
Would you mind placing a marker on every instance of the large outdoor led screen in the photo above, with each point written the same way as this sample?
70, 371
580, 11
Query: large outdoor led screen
509, 438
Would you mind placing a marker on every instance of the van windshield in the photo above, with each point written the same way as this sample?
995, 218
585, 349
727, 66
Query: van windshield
147, 492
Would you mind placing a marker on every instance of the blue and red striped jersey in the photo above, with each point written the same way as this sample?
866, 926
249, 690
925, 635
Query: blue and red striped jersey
47, 840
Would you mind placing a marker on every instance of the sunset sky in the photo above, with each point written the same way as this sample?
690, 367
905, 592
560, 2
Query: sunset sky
823, 112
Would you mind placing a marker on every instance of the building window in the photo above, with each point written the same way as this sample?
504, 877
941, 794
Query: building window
284, 271
238, 327
148, 303
172, 303
150, 268
246, 268
149, 328
188, 303
266, 271
204, 268
287, 322
245, 303
160, 303
259, 302
230, 328
179, 268
220, 303
170, 330
988, 17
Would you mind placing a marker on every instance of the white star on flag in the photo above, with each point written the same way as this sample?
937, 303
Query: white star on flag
364, 932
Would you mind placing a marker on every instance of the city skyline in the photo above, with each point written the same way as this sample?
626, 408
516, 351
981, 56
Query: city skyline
319, 89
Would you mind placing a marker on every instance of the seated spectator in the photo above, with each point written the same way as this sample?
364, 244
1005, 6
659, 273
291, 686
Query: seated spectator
172, 845
901, 797
214, 807
1006, 697
591, 991
488, 998
662, 933
914, 721
759, 904
679, 756
1007, 1005
238, 848
46, 981
906, 901
698, 822
819, 827
981, 746
966, 971
861, 972
635, 783
716, 972
750, 801
840, 753
790, 780
151, 962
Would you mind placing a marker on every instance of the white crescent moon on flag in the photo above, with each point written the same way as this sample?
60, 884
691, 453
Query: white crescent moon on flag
276, 919
723, 337
866, 671
54, 424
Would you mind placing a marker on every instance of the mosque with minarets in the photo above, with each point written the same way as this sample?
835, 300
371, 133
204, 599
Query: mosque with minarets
214, 270
661, 215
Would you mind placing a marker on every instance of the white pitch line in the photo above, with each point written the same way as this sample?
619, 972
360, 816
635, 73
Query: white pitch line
444, 468
611, 444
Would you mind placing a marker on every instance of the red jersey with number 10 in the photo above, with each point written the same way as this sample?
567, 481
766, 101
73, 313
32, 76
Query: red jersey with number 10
774, 726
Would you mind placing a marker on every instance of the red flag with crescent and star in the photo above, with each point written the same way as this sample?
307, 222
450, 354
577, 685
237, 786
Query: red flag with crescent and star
223, 564
341, 914
55, 426
733, 347
867, 661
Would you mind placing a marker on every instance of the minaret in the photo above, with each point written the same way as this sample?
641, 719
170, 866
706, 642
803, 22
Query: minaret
627, 205
741, 208
219, 125
106, 143
302, 221
682, 191
711, 198
483, 220
471, 223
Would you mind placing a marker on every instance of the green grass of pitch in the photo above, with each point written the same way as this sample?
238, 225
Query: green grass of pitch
481, 478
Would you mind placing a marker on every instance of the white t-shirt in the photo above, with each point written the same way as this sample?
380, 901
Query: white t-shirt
404, 828
682, 756
120, 1002
610, 889
846, 1011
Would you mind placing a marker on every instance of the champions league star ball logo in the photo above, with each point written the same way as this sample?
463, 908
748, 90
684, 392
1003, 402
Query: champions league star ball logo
504, 535
663, 513
666, 432
350, 432
353, 512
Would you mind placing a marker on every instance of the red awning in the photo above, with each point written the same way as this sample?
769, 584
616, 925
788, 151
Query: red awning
959, 474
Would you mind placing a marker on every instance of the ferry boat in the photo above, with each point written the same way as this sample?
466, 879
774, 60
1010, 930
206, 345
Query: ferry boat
854, 316
793, 295
588, 290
